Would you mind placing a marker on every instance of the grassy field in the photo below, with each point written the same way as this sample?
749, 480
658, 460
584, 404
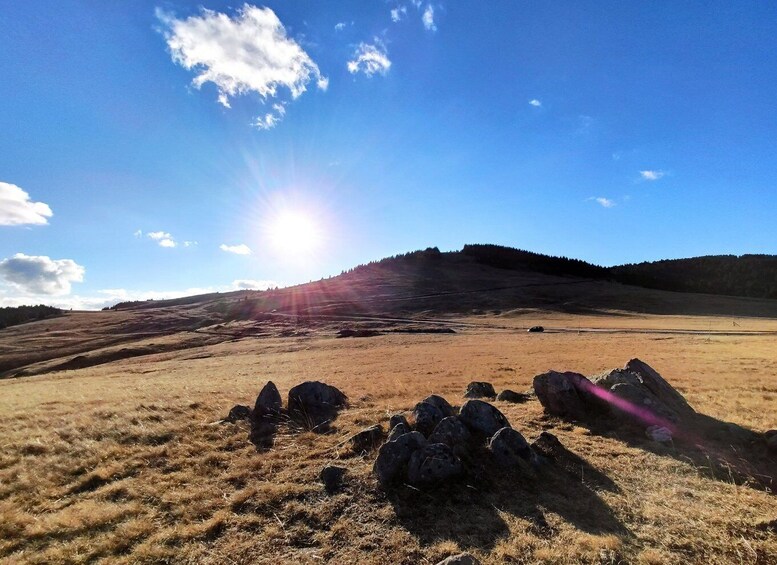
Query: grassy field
122, 463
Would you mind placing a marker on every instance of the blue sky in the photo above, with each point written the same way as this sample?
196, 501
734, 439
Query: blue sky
153, 149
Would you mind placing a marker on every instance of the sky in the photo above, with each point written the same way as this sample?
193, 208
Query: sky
152, 149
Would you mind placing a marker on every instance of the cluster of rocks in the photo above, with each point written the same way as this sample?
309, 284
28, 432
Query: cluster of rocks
479, 389
312, 405
636, 395
442, 443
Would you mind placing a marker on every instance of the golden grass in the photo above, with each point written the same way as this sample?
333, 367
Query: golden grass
120, 463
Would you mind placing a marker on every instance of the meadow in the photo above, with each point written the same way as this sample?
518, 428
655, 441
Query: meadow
125, 462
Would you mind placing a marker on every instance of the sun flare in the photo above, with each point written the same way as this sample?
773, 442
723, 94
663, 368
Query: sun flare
294, 233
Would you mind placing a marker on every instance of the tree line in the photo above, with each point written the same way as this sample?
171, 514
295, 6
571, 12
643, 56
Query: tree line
14, 315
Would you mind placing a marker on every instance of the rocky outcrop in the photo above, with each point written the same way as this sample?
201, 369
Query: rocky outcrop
568, 395
511, 396
510, 449
433, 464
367, 439
426, 417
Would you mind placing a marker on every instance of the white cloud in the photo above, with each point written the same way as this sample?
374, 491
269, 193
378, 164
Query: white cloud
40, 274
138, 233
16, 208
190, 243
370, 59
651, 175
249, 52
340, 26
416, 3
534, 102
398, 13
163, 238
241, 249
605, 202
428, 18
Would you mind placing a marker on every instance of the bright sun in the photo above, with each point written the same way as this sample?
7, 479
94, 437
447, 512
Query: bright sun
294, 233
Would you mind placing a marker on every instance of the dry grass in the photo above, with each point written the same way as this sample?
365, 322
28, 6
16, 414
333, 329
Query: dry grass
119, 463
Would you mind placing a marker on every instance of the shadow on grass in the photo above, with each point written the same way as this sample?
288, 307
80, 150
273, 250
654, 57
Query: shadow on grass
719, 450
471, 512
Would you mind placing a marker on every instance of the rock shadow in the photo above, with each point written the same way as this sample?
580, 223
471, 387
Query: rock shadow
470, 512
719, 450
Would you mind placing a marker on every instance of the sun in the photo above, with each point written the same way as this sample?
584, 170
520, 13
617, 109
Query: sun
294, 233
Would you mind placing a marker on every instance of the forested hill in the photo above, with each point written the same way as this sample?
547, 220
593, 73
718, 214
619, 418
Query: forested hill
13, 315
747, 275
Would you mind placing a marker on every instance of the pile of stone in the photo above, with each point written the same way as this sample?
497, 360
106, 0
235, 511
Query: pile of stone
637, 396
311, 405
443, 443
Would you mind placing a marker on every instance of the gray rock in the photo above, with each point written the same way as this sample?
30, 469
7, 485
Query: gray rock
263, 433
268, 403
547, 445
427, 416
482, 418
238, 412
659, 434
367, 439
398, 419
441, 404
452, 432
568, 395
651, 400
399, 430
479, 389
511, 396
315, 405
510, 448
332, 477
433, 464
460, 559
393, 457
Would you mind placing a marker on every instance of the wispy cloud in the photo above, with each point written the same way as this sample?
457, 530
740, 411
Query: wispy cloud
340, 26
248, 52
428, 18
398, 13
602, 201
240, 249
39, 274
370, 59
534, 102
16, 208
651, 175
248, 284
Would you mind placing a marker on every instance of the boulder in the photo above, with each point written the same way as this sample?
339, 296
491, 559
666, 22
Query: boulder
393, 457
367, 439
511, 396
399, 430
238, 412
482, 418
315, 405
441, 404
427, 416
268, 403
332, 477
460, 559
510, 448
480, 390
568, 395
650, 400
432, 464
548, 446
452, 432
398, 419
